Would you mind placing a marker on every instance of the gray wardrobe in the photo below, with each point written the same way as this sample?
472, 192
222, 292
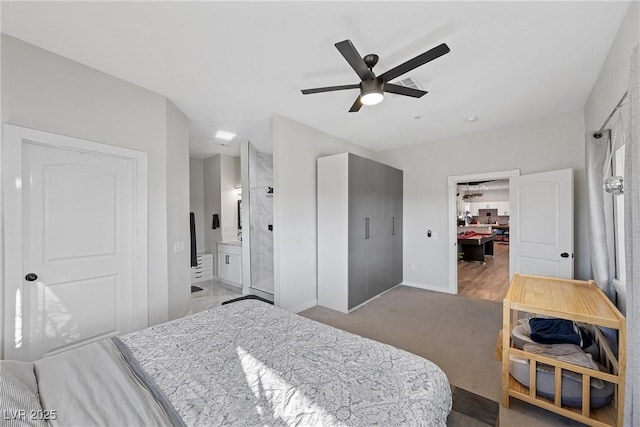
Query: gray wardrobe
359, 230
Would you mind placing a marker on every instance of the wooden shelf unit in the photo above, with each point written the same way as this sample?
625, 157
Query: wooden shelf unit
576, 300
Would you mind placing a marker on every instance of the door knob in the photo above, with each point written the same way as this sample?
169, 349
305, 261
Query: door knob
31, 277
564, 255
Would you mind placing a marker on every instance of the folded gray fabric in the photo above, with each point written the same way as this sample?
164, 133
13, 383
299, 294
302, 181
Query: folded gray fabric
569, 353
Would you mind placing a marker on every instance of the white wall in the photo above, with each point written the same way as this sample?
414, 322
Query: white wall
179, 263
196, 197
212, 204
536, 146
613, 79
295, 150
42, 90
229, 182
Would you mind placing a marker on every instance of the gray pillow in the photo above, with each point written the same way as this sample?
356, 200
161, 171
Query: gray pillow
19, 400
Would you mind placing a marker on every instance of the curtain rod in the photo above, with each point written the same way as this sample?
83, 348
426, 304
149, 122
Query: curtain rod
598, 134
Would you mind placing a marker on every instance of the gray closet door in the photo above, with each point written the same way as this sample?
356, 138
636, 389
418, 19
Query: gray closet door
396, 185
378, 244
357, 293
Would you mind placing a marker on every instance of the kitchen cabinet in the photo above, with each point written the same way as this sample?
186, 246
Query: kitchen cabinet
230, 263
203, 270
488, 205
503, 208
359, 230
474, 207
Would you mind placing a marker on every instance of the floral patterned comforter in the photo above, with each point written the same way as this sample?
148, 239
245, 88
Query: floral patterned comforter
249, 363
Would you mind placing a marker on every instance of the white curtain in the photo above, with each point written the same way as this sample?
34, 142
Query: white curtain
599, 220
632, 246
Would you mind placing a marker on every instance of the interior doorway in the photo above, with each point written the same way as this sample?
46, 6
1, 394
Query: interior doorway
479, 231
483, 238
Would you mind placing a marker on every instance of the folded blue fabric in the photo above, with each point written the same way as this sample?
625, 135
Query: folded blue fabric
554, 331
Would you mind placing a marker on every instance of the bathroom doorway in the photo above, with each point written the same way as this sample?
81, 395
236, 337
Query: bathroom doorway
260, 217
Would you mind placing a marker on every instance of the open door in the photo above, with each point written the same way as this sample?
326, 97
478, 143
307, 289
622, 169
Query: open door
541, 224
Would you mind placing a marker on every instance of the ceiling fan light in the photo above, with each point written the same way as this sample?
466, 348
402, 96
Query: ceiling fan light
371, 98
371, 91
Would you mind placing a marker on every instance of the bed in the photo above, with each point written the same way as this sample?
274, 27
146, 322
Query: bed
246, 363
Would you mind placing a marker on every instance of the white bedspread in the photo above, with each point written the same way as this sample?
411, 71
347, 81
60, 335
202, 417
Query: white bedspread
249, 363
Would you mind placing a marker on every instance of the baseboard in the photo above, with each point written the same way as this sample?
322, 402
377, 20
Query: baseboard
372, 298
428, 287
305, 306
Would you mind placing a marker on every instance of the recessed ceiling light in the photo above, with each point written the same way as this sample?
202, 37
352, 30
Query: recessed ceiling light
471, 119
223, 134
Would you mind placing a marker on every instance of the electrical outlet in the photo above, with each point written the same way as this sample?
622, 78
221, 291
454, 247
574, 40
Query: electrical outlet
413, 267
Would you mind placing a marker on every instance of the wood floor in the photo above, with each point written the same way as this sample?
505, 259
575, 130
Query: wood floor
489, 281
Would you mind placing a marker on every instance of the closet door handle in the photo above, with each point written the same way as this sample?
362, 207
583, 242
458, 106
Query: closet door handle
366, 228
226, 259
393, 225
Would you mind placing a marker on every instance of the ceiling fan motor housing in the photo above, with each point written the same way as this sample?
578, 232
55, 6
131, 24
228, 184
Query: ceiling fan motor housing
371, 85
371, 91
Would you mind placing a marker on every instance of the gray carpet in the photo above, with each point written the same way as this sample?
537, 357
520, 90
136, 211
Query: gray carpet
457, 333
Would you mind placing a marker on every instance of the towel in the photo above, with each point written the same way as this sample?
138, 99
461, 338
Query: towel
194, 254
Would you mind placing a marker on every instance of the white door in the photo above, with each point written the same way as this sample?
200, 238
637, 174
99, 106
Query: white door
541, 224
77, 283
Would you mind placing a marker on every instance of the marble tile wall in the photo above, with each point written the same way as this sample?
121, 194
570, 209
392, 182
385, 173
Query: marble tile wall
260, 218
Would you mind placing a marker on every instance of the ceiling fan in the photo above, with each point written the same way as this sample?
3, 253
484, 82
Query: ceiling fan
372, 86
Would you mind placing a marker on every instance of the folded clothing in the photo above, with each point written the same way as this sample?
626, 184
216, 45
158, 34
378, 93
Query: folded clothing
521, 335
557, 331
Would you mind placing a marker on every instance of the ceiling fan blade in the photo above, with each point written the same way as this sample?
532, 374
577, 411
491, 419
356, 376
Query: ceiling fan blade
348, 50
403, 90
419, 60
356, 106
328, 89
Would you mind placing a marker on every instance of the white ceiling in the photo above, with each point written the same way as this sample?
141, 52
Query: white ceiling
233, 65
